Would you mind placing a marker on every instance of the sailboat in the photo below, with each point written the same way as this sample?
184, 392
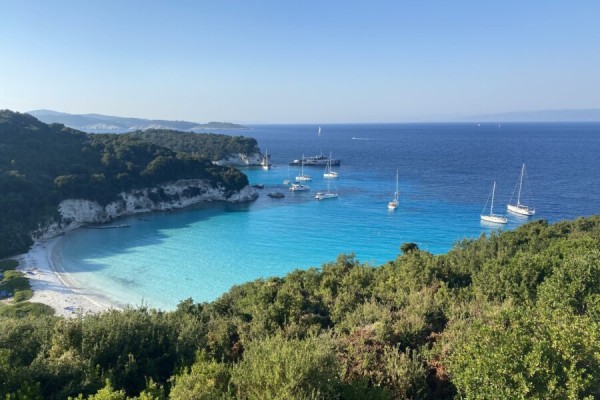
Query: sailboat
265, 161
288, 180
329, 173
326, 195
298, 187
491, 217
302, 176
393, 204
520, 208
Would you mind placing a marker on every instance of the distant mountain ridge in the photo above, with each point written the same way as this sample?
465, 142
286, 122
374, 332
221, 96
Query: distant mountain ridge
580, 115
107, 123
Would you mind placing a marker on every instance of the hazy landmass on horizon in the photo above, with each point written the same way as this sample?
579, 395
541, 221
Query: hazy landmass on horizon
106, 123
99, 122
576, 115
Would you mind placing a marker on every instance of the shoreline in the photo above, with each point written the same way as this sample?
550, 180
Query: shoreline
53, 286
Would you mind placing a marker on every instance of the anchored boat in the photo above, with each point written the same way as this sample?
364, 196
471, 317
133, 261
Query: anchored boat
491, 217
519, 208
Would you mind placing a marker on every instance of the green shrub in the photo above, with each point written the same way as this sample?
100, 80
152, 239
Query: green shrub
8, 264
16, 283
22, 295
526, 354
25, 309
365, 358
277, 368
206, 380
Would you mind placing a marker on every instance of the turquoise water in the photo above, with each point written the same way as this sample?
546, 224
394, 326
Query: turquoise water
445, 179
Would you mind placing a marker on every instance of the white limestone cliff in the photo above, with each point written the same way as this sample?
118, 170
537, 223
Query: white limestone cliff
75, 213
241, 160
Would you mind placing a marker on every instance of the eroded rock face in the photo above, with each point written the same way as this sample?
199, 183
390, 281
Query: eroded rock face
74, 213
240, 160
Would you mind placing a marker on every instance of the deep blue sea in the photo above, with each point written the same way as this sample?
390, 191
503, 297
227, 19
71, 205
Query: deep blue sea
446, 175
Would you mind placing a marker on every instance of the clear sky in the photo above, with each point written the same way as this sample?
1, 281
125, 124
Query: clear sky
299, 61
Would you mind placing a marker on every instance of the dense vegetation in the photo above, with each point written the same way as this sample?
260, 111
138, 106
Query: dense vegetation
40, 165
512, 315
15, 290
207, 145
13, 283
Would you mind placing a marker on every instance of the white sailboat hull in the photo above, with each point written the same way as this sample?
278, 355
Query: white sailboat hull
297, 187
393, 204
491, 217
329, 173
325, 196
303, 177
520, 209
496, 219
266, 161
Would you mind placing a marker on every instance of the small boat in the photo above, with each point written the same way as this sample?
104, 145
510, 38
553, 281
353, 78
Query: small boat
519, 208
393, 204
298, 187
326, 195
319, 160
266, 161
329, 173
288, 180
491, 217
259, 186
302, 176
276, 195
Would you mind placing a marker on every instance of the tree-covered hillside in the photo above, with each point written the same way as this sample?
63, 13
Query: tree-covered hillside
40, 165
513, 315
207, 145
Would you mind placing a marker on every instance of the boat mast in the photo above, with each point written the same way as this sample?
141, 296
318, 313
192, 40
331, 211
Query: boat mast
492, 206
396, 194
520, 184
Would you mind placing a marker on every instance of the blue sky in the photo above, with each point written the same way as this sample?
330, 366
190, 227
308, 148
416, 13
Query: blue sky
299, 61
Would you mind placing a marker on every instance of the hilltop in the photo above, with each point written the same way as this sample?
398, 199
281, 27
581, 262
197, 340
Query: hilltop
108, 123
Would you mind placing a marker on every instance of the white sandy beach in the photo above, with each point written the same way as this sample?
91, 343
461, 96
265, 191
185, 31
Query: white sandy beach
54, 288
